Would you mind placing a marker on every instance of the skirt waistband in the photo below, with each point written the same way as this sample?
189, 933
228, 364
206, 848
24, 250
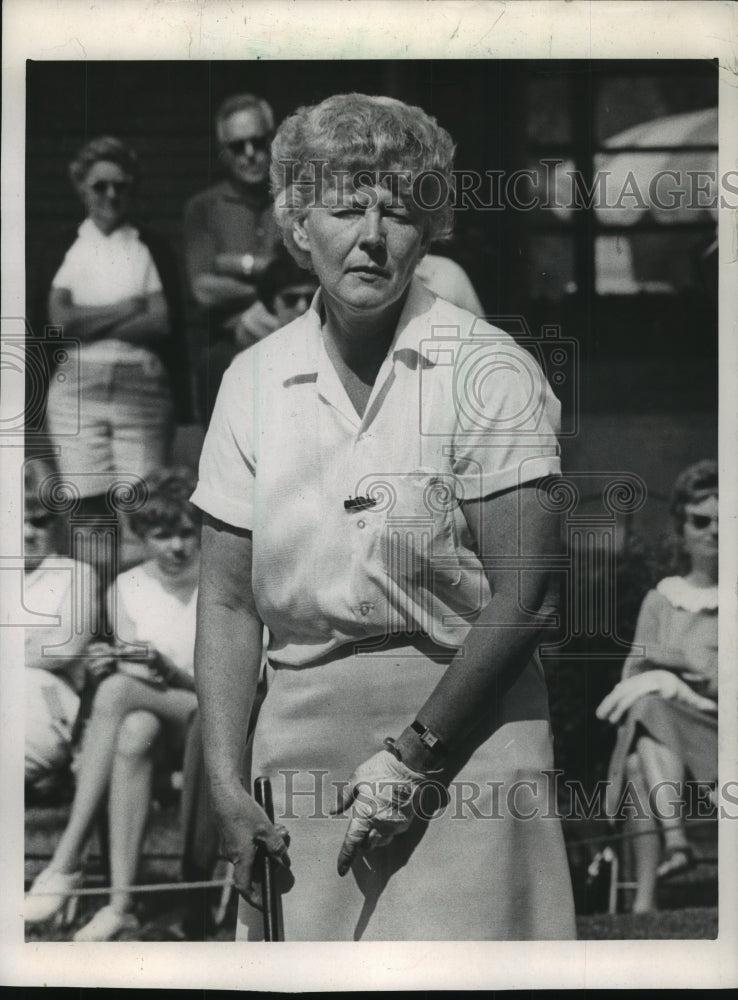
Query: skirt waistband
375, 646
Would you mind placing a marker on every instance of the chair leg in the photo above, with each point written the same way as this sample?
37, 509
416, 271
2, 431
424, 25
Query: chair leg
612, 900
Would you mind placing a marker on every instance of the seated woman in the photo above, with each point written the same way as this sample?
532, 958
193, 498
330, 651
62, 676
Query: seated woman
58, 588
285, 292
286, 289
666, 702
149, 695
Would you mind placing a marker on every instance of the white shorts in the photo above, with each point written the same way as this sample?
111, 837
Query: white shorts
111, 417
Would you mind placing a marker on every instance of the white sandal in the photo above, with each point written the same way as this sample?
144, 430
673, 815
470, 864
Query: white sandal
106, 925
51, 895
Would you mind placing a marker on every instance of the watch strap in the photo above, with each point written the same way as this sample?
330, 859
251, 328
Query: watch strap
390, 745
429, 739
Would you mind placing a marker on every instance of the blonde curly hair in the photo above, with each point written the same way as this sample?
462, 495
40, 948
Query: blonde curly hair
351, 134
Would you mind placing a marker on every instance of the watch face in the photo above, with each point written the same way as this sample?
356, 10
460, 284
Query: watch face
427, 737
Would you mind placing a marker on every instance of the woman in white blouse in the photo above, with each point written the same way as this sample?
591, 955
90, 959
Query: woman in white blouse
360, 464
112, 412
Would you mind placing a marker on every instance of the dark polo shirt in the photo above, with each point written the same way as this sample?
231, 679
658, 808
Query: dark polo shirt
224, 219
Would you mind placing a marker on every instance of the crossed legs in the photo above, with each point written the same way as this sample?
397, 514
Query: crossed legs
126, 720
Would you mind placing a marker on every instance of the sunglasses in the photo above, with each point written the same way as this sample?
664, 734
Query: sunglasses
119, 187
700, 521
259, 144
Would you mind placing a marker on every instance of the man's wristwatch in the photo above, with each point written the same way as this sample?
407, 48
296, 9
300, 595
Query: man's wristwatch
248, 263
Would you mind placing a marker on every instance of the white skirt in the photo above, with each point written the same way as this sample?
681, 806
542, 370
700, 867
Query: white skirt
489, 863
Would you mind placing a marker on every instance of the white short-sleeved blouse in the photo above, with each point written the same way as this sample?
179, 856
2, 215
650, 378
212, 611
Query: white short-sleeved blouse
458, 411
159, 616
100, 270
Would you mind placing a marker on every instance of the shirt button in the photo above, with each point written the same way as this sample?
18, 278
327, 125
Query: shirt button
365, 608
361, 524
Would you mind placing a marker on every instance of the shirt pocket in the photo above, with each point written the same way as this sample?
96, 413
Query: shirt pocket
420, 544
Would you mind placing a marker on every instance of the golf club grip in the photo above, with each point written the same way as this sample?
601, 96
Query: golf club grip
263, 797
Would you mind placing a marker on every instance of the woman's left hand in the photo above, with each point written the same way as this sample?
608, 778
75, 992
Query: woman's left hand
662, 682
152, 667
162, 666
381, 795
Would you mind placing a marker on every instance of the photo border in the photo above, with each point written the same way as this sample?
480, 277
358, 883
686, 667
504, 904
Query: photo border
369, 29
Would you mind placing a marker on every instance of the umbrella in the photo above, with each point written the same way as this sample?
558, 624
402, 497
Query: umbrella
667, 178
663, 171
662, 181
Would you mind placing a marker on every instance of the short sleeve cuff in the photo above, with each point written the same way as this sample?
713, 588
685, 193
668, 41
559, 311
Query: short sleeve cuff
476, 484
153, 283
237, 513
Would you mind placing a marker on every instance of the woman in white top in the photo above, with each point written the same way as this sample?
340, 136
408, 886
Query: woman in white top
149, 695
113, 411
360, 464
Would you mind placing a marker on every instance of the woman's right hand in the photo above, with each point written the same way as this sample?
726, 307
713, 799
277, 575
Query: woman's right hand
245, 827
661, 682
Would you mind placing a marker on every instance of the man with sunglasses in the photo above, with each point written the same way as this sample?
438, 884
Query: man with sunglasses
230, 238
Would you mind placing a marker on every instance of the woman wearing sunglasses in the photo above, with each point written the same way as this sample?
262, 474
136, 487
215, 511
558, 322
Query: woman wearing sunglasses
116, 294
666, 702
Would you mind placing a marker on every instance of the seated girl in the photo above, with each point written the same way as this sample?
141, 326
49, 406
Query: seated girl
148, 697
666, 703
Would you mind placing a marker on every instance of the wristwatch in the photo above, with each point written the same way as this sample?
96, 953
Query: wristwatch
248, 262
429, 739
392, 747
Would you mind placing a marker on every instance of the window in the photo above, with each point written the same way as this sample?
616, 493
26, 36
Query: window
626, 161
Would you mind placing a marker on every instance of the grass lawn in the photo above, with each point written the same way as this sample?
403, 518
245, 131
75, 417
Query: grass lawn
689, 922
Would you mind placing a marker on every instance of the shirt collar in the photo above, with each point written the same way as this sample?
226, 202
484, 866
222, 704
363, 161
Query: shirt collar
683, 594
89, 231
413, 337
411, 341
